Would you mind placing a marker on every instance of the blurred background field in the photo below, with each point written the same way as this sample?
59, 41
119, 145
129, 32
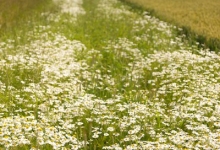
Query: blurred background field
13, 10
18, 17
199, 16
200, 19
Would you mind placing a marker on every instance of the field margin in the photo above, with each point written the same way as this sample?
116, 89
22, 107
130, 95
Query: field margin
193, 37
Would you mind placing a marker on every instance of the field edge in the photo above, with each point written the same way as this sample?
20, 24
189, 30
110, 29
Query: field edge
213, 44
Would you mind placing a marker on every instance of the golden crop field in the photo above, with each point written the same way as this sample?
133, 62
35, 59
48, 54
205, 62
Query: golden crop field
202, 16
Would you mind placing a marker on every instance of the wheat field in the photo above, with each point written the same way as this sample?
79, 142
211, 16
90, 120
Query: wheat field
201, 16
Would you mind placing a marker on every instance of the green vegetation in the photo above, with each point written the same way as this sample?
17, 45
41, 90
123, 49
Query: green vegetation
13, 10
200, 19
99, 74
18, 17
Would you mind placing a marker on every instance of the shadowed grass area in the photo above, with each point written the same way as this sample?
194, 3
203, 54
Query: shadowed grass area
200, 19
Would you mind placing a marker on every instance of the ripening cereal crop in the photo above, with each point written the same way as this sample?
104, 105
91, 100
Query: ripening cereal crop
101, 75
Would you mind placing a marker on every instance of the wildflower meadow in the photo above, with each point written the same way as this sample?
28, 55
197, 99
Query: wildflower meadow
100, 74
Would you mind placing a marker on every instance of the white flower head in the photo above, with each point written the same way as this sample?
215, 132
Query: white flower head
110, 129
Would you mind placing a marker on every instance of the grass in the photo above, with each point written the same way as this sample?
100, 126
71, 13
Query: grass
14, 10
99, 74
18, 17
199, 18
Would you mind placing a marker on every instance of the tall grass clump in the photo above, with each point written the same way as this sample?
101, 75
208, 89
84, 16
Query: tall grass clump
102, 75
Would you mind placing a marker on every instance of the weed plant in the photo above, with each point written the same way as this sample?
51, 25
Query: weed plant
100, 75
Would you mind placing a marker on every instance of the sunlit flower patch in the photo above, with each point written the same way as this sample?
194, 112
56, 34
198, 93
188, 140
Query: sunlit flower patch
145, 91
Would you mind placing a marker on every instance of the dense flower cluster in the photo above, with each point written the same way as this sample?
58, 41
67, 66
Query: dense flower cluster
163, 95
